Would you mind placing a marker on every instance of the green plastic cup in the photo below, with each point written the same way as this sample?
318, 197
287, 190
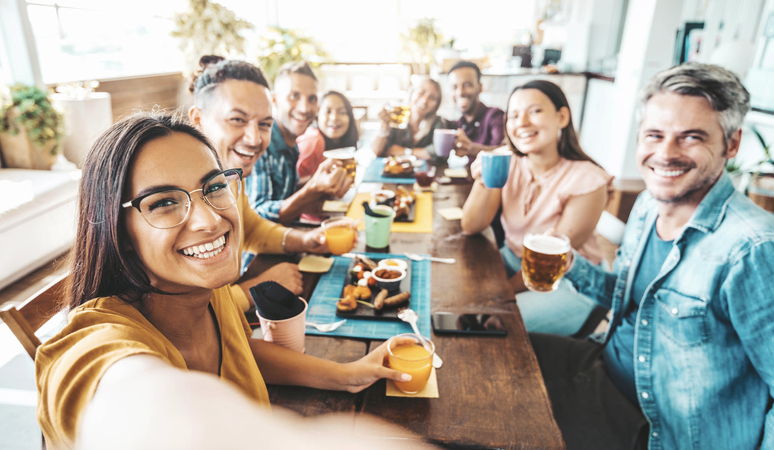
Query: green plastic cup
378, 228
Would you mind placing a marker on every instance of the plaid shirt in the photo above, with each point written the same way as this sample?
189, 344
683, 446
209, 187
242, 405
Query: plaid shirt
274, 177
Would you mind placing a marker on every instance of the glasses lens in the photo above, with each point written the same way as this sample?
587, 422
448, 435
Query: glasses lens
165, 209
223, 190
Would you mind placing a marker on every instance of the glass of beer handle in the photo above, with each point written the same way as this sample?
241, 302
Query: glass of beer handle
544, 260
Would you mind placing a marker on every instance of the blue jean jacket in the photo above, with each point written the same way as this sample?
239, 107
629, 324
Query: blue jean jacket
704, 336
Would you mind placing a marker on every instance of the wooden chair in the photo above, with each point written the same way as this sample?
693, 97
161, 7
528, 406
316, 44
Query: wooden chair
33, 313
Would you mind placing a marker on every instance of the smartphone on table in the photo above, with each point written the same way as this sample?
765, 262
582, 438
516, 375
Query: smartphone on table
468, 324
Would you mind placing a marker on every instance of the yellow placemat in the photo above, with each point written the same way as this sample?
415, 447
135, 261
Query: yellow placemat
423, 214
430, 391
315, 264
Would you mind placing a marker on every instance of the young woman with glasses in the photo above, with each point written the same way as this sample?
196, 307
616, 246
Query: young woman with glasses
157, 245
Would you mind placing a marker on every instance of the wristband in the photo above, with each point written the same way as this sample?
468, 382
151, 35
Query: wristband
285, 239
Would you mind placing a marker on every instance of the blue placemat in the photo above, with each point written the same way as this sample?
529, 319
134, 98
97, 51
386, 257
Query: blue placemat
323, 310
374, 173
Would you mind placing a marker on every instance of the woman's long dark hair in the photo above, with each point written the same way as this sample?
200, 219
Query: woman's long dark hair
568, 145
350, 137
101, 262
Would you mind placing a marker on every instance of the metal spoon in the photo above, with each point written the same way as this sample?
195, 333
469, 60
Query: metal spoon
416, 257
326, 327
410, 316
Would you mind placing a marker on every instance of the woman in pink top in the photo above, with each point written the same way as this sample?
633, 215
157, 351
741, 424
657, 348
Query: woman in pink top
336, 128
552, 183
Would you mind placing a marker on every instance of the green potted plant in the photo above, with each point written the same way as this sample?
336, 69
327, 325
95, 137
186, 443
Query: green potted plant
209, 28
281, 45
759, 185
31, 130
419, 43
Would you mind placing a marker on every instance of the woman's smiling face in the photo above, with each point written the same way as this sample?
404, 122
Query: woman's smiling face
332, 120
210, 237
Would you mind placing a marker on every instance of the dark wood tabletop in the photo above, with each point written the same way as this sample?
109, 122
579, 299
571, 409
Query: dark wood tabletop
491, 393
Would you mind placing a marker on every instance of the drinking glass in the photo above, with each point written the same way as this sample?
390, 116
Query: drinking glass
339, 234
544, 260
412, 354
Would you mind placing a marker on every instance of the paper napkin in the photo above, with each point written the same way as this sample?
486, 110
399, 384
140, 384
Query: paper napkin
451, 213
335, 206
315, 264
430, 391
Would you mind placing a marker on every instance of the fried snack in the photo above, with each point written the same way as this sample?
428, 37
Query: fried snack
367, 263
387, 274
397, 299
346, 304
379, 299
401, 210
349, 290
362, 293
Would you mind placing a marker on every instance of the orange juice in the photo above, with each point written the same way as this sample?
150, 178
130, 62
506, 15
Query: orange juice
340, 239
414, 360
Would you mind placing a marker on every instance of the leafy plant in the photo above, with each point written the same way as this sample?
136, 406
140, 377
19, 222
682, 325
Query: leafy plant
281, 45
419, 42
766, 148
27, 108
209, 28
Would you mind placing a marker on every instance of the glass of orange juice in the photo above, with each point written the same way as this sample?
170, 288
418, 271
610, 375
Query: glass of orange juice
339, 234
412, 354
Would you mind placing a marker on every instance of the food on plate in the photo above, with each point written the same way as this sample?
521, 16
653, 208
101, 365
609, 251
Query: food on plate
365, 262
387, 274
397, 299
379, 299
348, 303
396, 165
349, 290
362, 292
393, 262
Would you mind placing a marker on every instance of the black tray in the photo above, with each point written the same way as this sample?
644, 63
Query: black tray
408, 218
388, 312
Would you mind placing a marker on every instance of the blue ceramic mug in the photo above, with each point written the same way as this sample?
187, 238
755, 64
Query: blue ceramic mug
495, 166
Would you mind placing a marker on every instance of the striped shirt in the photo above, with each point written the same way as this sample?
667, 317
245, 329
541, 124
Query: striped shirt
274, 177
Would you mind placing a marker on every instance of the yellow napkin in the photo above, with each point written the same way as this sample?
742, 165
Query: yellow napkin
335, 206
432, 188
456, 173
423, 214
430, 391
451, 213
315, 264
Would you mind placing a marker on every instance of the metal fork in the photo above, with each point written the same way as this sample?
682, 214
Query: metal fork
326, 327
416, 257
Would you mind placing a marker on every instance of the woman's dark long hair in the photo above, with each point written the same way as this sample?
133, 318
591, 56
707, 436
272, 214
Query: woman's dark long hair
568, 145
101, 262
349, 139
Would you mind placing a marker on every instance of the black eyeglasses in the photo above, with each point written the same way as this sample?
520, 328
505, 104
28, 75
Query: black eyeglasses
168, 208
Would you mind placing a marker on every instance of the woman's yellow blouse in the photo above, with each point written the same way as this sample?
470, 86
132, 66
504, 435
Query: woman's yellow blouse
100, 332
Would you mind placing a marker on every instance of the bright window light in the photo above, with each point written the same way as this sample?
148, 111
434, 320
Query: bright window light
98, 39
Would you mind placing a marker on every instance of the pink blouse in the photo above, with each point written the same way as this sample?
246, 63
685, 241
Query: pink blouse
311, 146
535, 203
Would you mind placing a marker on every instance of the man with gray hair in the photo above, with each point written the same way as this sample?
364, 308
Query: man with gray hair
688, 358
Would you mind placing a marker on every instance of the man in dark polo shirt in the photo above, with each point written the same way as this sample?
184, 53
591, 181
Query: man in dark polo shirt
480, 127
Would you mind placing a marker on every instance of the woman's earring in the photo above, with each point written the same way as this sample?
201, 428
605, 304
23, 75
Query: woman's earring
559, 135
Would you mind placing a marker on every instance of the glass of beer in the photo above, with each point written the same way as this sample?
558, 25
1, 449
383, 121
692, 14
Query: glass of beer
399, 115
544, 260
345, 158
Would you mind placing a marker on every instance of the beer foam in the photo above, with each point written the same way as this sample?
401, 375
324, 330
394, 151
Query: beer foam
548, 245
340, 153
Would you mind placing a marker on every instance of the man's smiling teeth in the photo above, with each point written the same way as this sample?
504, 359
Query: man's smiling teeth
244, 153
527, 134
207, 250
668, 173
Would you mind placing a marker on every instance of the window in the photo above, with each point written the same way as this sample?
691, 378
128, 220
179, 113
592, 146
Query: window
88, 39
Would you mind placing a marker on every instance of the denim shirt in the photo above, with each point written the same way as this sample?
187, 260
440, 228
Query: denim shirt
704, 334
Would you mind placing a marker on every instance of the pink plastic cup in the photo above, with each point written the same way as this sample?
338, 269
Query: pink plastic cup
288, 333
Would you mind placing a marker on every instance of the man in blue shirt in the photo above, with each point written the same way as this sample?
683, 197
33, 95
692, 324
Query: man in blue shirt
688, 357
272, 188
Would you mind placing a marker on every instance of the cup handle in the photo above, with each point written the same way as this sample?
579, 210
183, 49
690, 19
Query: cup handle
270, 325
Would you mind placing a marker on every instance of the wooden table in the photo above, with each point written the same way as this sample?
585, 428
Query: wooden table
491, 392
